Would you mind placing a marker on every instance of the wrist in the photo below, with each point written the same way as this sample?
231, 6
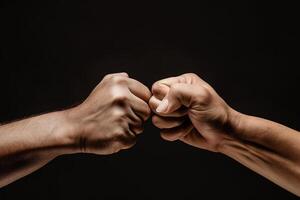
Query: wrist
236, 122
235, 128
63, 133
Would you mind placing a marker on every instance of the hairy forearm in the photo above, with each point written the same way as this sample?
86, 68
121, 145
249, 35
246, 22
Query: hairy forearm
29, 144
267, 148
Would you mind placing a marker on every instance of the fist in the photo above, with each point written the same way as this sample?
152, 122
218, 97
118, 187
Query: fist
188, 109
112, 116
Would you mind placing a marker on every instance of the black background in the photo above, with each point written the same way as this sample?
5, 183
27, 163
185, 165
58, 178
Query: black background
53, 54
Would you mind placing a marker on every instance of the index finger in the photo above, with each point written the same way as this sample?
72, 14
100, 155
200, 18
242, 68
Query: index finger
139, 89
161, 87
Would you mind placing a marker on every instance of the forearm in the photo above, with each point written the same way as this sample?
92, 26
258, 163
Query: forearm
29, 144
267, 148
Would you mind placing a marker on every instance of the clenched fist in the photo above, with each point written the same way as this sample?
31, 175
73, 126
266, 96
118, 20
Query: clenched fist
111, 117
186, 108
189, 109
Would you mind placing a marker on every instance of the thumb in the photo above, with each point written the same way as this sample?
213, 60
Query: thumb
180, 94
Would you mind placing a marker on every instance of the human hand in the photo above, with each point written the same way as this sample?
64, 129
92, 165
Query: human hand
188, 109
111, 117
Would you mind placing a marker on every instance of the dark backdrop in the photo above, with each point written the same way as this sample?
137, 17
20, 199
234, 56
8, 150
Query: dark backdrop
53, 54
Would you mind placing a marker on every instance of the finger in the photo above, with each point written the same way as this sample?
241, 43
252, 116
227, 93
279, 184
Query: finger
176, 133
170, 81
162, 87
139, 89
160, 90
140, 107
182, 94
191, 78
188, 78
120, 74
136, 129
154, 103
135, 123
128, 140
167, 122
117, 74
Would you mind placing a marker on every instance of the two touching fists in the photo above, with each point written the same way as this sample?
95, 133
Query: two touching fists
185, 108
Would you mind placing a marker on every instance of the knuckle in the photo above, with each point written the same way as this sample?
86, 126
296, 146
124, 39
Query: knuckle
115, 79
118, 79
107, 76
191, 75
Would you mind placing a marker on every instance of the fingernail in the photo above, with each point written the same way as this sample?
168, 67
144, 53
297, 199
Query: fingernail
162, 107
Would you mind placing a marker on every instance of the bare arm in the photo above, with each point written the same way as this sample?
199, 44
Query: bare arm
188, 109
268, 148
108, 121
27, 145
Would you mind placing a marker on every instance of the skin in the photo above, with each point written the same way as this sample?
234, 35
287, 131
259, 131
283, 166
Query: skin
108, 121
188, 109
